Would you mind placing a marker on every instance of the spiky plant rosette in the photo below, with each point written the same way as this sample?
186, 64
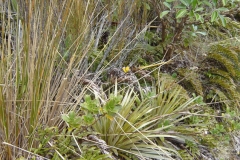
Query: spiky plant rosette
134, 128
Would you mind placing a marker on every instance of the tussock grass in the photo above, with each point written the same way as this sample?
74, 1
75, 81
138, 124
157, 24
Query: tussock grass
34, 74
44, 45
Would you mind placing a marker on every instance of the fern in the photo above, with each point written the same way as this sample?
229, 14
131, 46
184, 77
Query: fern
226, 52
193, 79
227, 56
224, 61
231, 89
222, 97
215, 31
225, 75
222, 74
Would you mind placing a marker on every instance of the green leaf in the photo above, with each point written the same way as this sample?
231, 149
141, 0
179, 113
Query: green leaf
222, 9
180, 7
197, 16
194, 28
170, 1
72, 119
201, 19
65, 117
14, 5
90, 105
164, 13
167, 5
214, 2
88, 119
191, 14
202, 33
208, 3
181, 13
185, 2
214, 16
199, 100
174, 75
199, 9
224, 2
223, 20
193, 34
146, 5
73, 116
194, 3
112, 106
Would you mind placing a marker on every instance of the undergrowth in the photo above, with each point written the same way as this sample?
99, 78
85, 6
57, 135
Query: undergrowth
112, 80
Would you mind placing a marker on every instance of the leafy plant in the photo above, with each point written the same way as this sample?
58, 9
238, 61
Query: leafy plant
225, 73
140, 121
72, 120
127, 132
190, 12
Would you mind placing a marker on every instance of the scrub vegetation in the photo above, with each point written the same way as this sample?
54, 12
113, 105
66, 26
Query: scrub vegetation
120, 79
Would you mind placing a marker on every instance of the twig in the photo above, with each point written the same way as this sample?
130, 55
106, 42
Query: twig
5, 143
